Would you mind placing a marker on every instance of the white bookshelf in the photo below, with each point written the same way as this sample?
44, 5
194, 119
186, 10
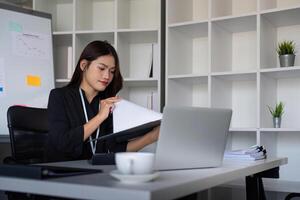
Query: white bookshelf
222, 8
188, 91
95, 15
61, 43
62, 13
138, 14
133, 27
234, 44
222, 53
238, 92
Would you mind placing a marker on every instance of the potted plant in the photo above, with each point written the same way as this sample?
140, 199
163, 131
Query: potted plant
277, 113
286, 52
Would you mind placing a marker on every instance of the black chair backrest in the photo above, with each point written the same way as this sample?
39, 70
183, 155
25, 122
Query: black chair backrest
28, 131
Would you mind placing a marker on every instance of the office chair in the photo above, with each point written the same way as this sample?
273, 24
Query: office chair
292, 195
28, 131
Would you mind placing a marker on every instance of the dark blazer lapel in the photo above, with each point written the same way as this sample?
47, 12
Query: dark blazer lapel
75, 110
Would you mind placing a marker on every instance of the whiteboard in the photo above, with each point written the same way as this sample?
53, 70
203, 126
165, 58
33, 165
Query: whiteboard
26, 59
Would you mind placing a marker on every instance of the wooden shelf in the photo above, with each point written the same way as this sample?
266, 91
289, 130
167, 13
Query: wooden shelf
62, 80
188, 76
235, 76
251, 130
187, 23
233, 16
131, 82
137, 30
278, 130
283, 72
62, 33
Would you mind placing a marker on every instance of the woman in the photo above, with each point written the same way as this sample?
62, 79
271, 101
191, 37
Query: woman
81, 111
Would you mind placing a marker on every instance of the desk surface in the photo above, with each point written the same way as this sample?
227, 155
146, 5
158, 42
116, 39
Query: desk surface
169, 185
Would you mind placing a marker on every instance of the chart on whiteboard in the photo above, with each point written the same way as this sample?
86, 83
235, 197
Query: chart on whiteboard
30, 45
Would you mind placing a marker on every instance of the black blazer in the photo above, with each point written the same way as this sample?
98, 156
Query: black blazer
66, 120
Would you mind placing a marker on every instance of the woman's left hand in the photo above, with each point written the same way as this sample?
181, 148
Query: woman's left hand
139, 143
154, 134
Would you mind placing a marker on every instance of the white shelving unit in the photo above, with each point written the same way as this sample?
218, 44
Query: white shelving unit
221, 53
133, 27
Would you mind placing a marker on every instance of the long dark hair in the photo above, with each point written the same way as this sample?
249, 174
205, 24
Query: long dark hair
91, 52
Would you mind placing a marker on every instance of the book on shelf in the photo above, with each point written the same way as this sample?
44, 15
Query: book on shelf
252, 153
69, 62
155, 60
153, 69
150, 68
131, 120
152, 101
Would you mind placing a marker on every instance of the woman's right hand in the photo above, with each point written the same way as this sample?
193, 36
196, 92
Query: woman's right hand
106, 106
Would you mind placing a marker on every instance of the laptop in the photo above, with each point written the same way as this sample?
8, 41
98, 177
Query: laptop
192, 137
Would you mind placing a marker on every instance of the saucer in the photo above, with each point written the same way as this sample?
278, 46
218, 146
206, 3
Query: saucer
135, 178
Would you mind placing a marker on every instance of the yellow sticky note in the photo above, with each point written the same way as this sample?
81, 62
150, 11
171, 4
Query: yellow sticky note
33, 80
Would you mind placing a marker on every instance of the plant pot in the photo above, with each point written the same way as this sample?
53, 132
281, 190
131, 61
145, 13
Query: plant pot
277, 122
287, 60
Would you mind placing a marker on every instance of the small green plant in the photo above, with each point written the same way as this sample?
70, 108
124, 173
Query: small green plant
286, 47
278, 111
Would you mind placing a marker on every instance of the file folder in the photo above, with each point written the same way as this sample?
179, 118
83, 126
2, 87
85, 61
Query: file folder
42, 171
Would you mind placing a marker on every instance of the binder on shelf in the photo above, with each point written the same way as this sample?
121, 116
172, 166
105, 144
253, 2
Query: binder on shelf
151, 63
131, 120
155, 60
70, 63
150, 101
153, 70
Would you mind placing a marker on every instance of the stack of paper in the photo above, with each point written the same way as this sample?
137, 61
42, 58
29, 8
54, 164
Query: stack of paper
252, 153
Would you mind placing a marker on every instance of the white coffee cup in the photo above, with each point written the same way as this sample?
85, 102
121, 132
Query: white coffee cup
135, 162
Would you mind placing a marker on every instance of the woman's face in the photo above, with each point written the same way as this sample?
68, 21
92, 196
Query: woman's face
100, 73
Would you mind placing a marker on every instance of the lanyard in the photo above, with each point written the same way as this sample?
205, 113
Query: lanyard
93, 145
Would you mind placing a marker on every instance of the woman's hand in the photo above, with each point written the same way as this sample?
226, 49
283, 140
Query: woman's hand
106, 106
154, 134
139, 143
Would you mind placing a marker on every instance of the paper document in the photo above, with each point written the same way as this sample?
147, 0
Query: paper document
131, 120
252, 153
245, 157
128, 115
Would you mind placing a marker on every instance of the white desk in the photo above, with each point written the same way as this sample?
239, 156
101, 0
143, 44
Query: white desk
170, 184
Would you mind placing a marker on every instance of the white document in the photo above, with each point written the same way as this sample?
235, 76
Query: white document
252, 153
70, 63
129, 115
245, 156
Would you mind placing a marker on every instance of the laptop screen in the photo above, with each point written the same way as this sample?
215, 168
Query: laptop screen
192, 137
